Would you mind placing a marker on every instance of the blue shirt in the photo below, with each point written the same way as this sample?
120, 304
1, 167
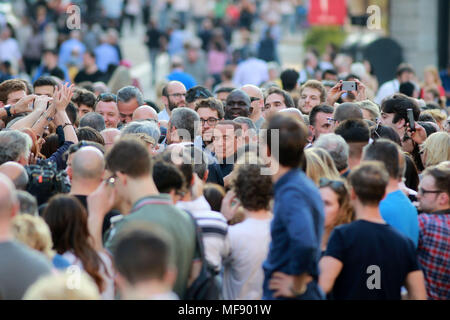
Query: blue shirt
398, 211
445, 78
183, 77
296, 228
65, 52
106, 54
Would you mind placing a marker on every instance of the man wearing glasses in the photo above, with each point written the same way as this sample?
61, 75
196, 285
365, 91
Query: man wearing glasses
210, 111
434, 230
173, 96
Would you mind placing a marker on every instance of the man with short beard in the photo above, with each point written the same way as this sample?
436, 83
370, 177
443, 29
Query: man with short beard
238, 104
173, 96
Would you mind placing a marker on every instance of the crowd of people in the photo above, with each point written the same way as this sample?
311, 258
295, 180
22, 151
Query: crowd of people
241, 183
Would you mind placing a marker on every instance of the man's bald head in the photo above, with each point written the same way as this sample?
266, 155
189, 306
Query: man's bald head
253, 91
144, 113
88, 163
9, 205
16, 173
174, 95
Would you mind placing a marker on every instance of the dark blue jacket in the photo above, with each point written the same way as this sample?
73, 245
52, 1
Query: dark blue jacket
296, 228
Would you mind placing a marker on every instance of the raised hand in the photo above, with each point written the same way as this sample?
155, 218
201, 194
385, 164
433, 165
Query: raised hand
23, 105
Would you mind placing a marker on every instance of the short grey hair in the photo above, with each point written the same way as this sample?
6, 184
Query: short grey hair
142, 126
28, 203
93, 120
186, 119
337, 147
127, 93
246, 121
13, 145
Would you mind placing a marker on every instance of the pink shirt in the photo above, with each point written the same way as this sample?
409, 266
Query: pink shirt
216, 61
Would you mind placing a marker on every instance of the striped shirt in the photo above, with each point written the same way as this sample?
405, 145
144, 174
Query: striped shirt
214, 229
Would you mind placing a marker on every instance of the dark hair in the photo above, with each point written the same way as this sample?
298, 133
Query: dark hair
288, 101
369, 181
429, 128
289, 78
150, 103
386, 132
50, 145
91, 53
224, 89
402, 68
197, 92
315, 110
211, 103
105, 97
348, 110
186, 168
167, 177
143, 252
411, 174
398, 104
90, 134
130, 157
388, 153
83, 96
72, 112
253, 189
292, 139
214, 194
353, 130
67, 220
45, 81
407, 88
329, 71
93, 120
426, 117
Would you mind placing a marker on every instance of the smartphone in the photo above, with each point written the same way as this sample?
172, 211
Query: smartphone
412, 124
349, 86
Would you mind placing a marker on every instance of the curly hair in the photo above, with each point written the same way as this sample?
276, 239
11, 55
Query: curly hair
253, 189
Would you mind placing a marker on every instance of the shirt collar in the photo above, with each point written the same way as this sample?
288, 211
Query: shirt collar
163, 198
445, 211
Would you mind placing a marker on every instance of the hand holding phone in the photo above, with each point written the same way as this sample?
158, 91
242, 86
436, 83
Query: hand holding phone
349, 86
411, 122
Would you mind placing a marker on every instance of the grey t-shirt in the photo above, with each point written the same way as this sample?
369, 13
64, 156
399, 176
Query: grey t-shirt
20, 267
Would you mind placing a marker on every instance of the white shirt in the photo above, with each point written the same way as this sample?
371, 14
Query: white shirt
163, 115
248, 248
9, 51
108, 293
251, 71
387, 89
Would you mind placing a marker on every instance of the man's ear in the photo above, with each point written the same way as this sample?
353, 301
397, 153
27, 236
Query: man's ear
122, 177
443, 199
165, 100
400, 124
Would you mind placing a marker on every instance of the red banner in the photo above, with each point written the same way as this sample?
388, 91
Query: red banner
327, 12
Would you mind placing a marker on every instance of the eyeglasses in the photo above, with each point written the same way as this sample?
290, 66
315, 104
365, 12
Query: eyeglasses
424, 191
177, 95
333, 184
211, 121
331, 120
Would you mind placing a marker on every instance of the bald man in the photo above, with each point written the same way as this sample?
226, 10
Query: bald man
87, 169
173, 96
16, 173
257, 102
144, 113
109, 135
20, 266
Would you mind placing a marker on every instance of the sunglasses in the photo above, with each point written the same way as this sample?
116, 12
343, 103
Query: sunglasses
333, 184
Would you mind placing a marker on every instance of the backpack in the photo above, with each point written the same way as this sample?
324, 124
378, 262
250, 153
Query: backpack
206, 286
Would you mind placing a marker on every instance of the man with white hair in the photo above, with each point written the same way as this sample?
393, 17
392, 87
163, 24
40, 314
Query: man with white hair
338, 150
20, 266
14, 146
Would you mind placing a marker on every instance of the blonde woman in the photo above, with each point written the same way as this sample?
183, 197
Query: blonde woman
327, 160
435, 149
35, 233
316, 168
438, 116
431, 78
